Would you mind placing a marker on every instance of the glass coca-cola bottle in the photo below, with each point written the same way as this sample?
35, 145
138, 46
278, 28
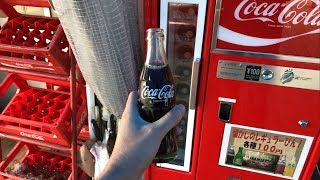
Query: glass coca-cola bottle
156, 93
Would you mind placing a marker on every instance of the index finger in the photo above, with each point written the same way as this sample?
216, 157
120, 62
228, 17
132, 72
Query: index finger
132, 102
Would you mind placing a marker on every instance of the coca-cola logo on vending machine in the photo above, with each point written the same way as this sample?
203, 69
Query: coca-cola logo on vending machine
287, 27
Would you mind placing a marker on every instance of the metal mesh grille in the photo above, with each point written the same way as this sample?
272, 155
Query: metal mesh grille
104, 37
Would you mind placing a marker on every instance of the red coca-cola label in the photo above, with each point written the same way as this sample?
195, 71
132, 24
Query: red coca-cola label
271, 26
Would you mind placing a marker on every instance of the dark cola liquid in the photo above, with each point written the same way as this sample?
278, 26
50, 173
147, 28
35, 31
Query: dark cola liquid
156, 98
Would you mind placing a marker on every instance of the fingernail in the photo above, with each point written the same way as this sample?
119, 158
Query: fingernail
181, 106
134, 94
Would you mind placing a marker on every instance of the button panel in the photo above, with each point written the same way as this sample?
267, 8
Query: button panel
272, 75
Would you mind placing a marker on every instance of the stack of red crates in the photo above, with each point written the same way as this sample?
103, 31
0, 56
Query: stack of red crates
35, 50
39, 162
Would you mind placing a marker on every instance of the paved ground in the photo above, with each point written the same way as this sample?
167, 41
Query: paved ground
7, 145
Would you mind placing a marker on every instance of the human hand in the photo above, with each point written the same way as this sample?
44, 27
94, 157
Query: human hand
138, 141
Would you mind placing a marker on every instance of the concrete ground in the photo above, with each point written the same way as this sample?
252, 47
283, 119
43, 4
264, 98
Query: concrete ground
6, 145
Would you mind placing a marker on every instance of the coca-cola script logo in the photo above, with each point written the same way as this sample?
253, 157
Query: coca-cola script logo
34, 136
163, 93
264, 11
287, 15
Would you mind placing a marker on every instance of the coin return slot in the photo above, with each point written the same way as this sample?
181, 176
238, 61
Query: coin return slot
225, 110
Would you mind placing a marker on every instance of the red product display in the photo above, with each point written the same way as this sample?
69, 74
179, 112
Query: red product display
34, 43
42, 114
37, 162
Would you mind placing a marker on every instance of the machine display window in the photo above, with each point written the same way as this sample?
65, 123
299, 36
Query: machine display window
181, 33
183, 24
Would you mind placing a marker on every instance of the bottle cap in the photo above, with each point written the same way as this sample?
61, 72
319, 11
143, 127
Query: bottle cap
152, 31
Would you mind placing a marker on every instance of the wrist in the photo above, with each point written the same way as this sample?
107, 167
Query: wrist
118, 168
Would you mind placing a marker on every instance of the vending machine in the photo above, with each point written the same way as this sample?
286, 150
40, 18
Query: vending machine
248, 72
183, 24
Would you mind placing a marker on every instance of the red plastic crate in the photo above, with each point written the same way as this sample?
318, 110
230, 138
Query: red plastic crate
34, 43
37, 162
41, 114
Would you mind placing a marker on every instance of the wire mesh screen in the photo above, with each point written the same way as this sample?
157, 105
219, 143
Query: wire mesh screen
104, 37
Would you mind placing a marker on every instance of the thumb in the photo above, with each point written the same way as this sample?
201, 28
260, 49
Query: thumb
170, 120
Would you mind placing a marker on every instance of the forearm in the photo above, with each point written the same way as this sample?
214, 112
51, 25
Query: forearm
115, 171
122, 166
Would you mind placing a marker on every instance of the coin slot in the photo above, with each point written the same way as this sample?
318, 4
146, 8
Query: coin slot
225, 111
